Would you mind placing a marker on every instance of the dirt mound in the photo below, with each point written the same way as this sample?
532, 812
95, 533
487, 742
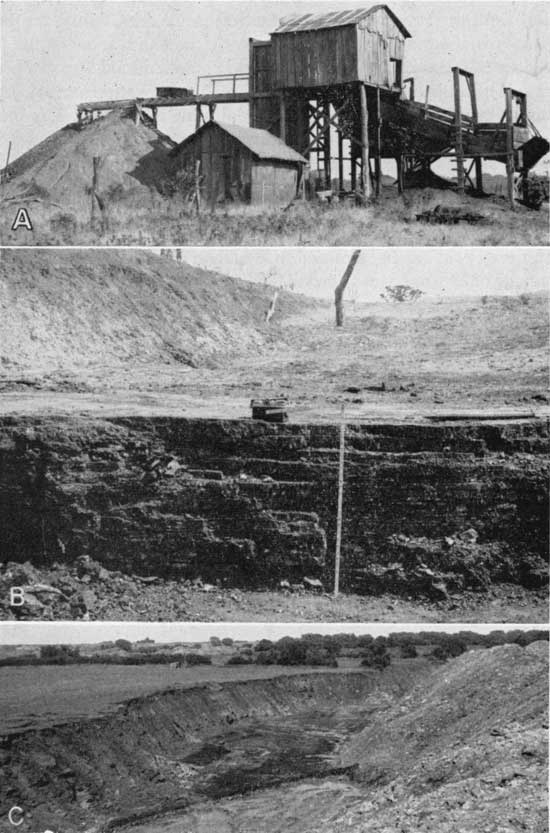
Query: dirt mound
65, 311
56, 175
466, 749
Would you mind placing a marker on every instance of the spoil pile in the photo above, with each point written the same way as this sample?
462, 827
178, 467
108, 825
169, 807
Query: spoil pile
55, 176
464, 750
70, 311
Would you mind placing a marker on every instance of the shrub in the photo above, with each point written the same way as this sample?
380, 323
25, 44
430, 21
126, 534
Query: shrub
376, 655
269, 657
59, 654
400, 293
408, 650
263, 645
198, 659
452, 646
320, 656
123, 644
240, 659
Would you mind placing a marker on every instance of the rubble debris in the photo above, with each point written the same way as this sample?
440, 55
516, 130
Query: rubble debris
436, 568
450, 215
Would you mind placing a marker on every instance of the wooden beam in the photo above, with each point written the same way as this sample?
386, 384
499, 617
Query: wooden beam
340, 161
458, 132
365, 179
510, 145
282, 117
326, 148
399, 162
377, 164
96, 160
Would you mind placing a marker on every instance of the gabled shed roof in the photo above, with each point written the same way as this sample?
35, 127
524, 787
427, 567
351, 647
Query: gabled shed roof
329, 20
262, 143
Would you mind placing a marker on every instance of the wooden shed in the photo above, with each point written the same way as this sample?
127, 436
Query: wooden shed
241, 164
321, 50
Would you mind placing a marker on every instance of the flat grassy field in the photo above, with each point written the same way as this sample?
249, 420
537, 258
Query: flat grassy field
388, 221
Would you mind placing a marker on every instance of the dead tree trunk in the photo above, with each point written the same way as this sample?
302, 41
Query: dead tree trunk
271, 311
339, 291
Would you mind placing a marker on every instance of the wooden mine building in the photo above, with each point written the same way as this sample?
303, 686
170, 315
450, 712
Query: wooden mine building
329, 73
241, 164
330, 86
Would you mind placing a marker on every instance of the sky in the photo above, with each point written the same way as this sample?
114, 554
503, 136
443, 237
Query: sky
48, 633
57, 54
436, 271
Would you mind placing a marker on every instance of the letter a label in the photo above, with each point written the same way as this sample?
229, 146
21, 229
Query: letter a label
22, 219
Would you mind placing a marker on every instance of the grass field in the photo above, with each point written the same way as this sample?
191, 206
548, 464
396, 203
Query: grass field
34, 697
389, 221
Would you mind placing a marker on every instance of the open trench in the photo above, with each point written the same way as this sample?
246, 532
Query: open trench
461, 745
186, 751
428, 509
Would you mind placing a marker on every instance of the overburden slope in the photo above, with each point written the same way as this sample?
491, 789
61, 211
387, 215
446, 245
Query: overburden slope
77, 312
465, 750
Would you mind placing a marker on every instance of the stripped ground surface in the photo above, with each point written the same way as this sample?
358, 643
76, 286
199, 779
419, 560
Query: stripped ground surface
136, 334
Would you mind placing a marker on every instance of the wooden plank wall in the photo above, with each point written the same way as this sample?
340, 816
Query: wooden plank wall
315, 59
378, 41
264, 112
224, 162
273, 183
230, 168
341, 55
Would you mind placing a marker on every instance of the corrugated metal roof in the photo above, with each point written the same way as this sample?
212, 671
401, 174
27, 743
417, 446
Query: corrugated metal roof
261, 143
328, 20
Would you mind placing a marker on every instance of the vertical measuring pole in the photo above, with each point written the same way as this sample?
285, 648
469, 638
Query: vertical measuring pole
340, 504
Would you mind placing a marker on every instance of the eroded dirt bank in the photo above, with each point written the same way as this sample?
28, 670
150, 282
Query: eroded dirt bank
429, 510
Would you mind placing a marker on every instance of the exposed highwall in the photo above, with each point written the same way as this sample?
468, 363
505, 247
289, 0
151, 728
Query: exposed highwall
252, 503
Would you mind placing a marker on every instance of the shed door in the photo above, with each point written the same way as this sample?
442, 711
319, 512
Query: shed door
273, 183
